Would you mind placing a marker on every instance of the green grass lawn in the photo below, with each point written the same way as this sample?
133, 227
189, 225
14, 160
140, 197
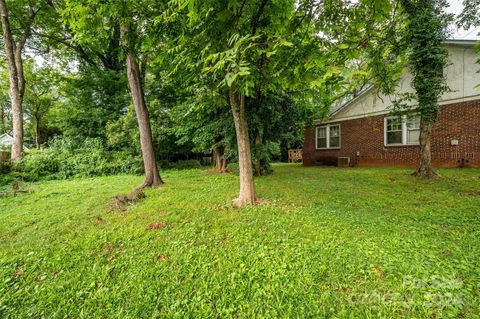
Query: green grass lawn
327, 242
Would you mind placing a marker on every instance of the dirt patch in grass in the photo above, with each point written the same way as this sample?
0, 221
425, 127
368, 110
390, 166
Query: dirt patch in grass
121, 202
214, 172
377, 272
109, 247
109, 251
162, 257
161, 212
220, 208
19, 272
266, 202
156, 225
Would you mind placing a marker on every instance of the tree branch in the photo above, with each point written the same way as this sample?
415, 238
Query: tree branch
258, 15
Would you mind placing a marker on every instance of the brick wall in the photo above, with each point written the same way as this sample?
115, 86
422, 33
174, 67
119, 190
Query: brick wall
460, 121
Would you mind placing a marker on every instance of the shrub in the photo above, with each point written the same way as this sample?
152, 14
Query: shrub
163, 164
125, 163
5, 166
186, 164
8, 178
65, 158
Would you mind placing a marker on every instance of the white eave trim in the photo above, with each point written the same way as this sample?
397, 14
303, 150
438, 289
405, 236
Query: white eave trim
387, 111
360, 94
461, 42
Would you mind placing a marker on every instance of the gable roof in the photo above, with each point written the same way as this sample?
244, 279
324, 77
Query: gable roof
337, 108
6, 141
6, 136
341, 106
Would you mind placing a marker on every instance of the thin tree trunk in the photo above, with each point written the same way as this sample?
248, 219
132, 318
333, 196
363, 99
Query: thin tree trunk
20, 74
152, 175
215, 157
258, 154
16, 80
224, 164
37, 134
425, 170
218, 159
3, 119
247, 194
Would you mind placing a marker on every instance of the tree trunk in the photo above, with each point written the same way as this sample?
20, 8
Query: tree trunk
224, 164
215, 157
152, 175
3, 128
37, 134
20, 74
16, 80
425, 170
218, 159
247, 195
258, 154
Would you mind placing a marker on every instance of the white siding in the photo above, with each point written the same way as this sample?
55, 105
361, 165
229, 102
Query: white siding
462, 78
5, 141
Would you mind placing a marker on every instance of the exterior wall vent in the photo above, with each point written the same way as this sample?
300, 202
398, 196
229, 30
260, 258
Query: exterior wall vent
343, 162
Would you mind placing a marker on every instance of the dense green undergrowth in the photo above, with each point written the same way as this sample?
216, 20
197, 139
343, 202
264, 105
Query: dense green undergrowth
66, 158
326, 242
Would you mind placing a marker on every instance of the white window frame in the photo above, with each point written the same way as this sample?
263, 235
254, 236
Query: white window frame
404, 119
328, 137
416, 129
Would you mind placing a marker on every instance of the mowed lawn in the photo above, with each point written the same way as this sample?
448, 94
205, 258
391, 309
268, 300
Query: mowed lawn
326, 242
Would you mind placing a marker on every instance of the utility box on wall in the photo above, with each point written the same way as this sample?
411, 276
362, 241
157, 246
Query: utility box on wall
343, 162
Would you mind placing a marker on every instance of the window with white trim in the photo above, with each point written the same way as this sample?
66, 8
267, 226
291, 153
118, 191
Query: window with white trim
328, 136
413, 130
402, 130
394, 130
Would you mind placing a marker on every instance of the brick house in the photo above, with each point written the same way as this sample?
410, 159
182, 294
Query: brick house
362, 132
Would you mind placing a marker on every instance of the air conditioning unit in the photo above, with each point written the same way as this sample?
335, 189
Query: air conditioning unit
343, 162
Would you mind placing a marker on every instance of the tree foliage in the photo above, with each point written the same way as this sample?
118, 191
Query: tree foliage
470, 15
424, 34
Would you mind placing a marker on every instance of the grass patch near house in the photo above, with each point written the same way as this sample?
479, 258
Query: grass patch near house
327, 242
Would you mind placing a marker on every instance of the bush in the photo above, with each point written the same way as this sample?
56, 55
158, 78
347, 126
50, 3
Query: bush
8, 178
186, 164
66, 158
125, 163
5, 166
